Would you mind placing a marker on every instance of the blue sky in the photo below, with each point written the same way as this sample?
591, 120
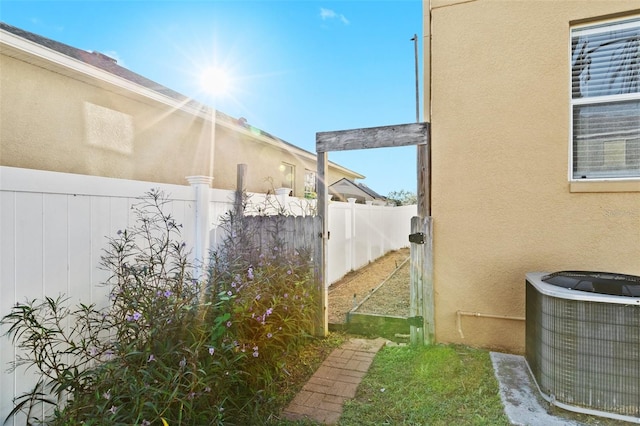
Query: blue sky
297, 67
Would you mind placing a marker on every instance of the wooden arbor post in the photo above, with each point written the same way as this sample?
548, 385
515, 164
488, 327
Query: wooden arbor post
422, 310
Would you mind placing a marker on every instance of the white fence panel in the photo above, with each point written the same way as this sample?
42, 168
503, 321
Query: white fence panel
361, 233
339, 252
54, 229
7, 296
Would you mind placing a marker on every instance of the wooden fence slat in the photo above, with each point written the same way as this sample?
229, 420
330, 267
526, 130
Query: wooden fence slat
421, 282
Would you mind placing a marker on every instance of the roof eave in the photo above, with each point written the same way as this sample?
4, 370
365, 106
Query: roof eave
46, 55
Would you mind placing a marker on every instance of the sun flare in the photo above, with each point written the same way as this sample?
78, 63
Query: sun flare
216, 81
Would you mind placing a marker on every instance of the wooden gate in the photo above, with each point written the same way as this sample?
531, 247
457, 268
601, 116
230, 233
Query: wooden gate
422, 306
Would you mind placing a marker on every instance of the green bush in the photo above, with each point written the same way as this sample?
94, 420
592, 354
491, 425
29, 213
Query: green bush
168, 348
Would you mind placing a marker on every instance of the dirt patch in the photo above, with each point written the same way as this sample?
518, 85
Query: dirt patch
392, 298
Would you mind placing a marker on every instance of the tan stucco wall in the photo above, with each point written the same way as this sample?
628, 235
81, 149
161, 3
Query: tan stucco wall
45, 126
52, 121
501, 198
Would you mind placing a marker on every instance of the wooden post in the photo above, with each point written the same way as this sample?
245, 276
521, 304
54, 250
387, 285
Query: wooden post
421, 282
423, 171
321, 268
240, 188
428, 301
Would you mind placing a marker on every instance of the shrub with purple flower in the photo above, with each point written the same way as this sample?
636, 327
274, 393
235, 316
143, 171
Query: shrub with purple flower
170, 347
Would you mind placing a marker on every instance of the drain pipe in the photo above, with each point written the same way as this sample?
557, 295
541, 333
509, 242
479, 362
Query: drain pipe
460, 314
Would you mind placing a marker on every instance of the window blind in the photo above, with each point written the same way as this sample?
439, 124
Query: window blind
605, 93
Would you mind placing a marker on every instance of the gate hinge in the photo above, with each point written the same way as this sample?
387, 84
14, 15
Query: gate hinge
416, 321
417, 238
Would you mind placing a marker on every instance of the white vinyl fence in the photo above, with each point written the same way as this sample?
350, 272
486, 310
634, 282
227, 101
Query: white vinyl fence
53, 229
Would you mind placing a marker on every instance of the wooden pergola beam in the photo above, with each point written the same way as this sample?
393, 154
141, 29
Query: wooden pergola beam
421, 254
373, 137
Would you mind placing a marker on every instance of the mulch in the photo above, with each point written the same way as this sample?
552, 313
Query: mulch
388, 276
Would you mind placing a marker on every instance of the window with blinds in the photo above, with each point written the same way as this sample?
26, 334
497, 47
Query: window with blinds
605, 100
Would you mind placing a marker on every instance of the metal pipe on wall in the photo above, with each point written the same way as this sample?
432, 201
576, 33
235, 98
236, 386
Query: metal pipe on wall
460, 314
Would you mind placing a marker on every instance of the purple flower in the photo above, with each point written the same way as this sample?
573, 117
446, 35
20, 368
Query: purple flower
207, 389
167, 293
250, 273
289, 272
211, 350
229, 293
269, 311
151, 358
113, 409
255, 352
269, 335
228, 324
146, 422
183, 363
286, 295
106, 395
258, 297
135, 317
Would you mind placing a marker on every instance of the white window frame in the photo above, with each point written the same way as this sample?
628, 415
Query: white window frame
284, 167
595, 100
310, 184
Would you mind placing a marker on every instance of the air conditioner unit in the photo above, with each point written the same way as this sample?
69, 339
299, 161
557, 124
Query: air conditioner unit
583, 341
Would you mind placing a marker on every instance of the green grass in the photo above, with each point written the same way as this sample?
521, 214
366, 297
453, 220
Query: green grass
433, 385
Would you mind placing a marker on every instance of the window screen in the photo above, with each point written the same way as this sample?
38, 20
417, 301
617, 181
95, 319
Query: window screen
605, 97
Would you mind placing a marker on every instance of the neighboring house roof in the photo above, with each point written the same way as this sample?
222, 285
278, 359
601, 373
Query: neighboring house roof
346, 188
142, 85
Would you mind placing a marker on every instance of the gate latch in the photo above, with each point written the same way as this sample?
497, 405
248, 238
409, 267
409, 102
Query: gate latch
416, 321
417, 238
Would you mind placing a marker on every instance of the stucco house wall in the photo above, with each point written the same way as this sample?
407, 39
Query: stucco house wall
502, 200
61, 114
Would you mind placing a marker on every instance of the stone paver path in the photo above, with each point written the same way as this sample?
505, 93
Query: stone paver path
334, 382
